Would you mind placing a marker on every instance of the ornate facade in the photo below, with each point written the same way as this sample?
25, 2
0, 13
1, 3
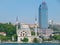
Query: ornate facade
24, 31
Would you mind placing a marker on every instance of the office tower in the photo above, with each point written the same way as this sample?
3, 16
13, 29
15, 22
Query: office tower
43, 16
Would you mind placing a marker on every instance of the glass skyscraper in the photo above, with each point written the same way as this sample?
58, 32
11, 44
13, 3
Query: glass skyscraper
43, 16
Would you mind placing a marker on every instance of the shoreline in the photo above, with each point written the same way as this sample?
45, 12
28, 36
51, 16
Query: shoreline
31, 43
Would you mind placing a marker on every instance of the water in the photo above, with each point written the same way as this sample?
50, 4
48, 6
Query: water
27, 44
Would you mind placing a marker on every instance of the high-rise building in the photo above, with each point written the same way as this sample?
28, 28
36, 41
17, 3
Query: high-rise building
43, 21
43, 16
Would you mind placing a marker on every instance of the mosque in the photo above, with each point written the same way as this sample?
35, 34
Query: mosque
23, 31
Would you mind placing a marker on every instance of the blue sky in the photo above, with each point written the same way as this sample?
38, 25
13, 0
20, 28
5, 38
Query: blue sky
26, 10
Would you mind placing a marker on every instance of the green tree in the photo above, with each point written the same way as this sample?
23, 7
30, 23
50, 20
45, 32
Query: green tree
15, 37
56, 37
24, 39
4, 38
9, 29
32, 33
35, 40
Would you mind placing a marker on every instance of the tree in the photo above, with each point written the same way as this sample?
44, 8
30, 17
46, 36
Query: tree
32, 33
15, 37
4, 38
35, 40
56, 37
9, 29
24, 39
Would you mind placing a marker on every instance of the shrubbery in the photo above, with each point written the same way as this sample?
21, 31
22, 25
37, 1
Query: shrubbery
24, 39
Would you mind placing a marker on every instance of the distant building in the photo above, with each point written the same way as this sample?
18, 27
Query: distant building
3, 33
43, 16
50, 22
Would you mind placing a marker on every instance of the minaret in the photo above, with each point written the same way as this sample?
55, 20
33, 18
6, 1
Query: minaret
35, 26
17, 23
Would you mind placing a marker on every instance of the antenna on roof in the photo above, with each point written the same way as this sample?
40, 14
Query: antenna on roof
43, 1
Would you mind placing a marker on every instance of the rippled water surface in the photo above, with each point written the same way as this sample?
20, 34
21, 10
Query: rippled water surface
26, 44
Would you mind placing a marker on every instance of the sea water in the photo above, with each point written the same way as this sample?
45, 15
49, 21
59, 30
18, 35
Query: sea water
27, 44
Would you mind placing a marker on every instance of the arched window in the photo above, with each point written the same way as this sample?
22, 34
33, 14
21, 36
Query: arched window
23, 34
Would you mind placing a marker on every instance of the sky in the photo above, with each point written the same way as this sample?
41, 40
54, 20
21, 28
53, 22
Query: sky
26, 10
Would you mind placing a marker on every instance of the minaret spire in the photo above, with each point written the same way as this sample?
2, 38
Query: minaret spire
17, 18
17, 23
35, 26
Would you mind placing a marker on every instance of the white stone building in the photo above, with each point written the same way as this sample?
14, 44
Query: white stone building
24, 31
3, 33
